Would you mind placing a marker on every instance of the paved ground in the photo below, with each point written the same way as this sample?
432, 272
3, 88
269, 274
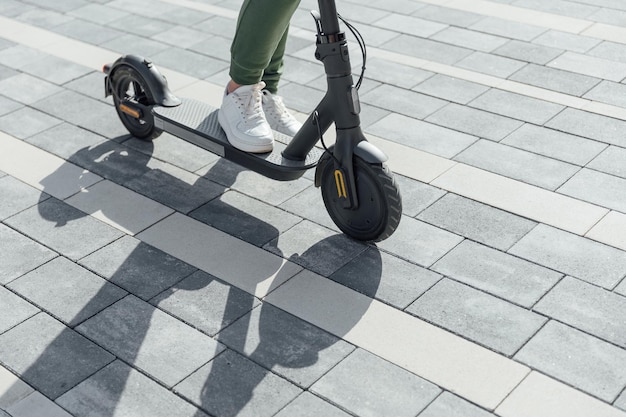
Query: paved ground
154, 279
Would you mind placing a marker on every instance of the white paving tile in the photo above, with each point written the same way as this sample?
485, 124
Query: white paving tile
120, 207
610, 230
517, 197
606, 32
41, 169
476, 373
589, 65
237, 262
12, 389
539, 395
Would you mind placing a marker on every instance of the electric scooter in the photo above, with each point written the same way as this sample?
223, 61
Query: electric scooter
358, 189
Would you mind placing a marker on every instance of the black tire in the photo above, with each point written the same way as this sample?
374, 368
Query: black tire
380, 203
129, 87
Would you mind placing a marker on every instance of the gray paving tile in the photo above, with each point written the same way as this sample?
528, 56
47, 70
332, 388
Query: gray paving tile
122, 391
44, 18
408, 6
181, 36
576, 358
17, 196
529, 52
64, 228
232, 385
469, 39
134, 44
190, 63
87, 31
621, 401
608, 92
398, 75
61, 6
301, 98
309, 405
398, 100
473, 121
505, 276
593, 126
140, 25
26, 122
351, 383
137, 267
221, 26
596, 187
518, 164
427, 49
218, 47
422, 135
56, 70
410, 25
420, 242
621, 288
477, 221
507, 28
517, 106
300, 71
449, 405
495, 65
66, 291
6, 72
452, 17
7, 105
401, 283
567, 41
13, 8
451, 89
13, 310
610, 161
27, 89
573, 255
309, 204
285, 344
565, 8
91, 85
416, 195
315, 248
555, 79
19, 254
19, 56
183, 16
610, 50
150, 339
205, 302
477, 316
246, 218
98, 13
595, 311
609, 16
49, 356
554, 144
66, 140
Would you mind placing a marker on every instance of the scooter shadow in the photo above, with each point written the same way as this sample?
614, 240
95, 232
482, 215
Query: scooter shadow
242, 318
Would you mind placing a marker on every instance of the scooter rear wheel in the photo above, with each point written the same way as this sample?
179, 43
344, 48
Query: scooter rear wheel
133, 101
380, 203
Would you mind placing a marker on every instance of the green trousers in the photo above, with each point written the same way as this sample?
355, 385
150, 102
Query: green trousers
259, 45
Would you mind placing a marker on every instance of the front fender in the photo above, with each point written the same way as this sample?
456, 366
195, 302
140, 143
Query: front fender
364, 150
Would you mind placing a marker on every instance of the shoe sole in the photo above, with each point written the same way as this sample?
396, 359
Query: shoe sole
242, 146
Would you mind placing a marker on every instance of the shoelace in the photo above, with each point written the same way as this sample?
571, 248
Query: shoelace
254, 106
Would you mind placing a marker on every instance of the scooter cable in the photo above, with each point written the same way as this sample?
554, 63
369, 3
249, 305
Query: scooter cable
361, 42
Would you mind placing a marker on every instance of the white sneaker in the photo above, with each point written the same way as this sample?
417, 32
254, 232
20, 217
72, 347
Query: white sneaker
278, 116
241, 116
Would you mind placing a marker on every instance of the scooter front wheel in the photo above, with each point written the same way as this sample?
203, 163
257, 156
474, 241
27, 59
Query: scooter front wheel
133, 102
380, 205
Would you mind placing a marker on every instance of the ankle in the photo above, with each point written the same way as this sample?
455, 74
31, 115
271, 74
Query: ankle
231, 86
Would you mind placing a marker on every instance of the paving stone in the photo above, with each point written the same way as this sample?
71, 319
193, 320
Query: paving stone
610, 161
351, 383
507, 28
477, 316
134, 44
589, 65
26, 122
309, 204
421, 135
593, 126
64, 228
180, 36
90, 85
189, 63
567, 41
403, 101
98, 13
410, 25
27, 89
529, 52
66, 291
233, 385
300, 71
555, 79
140, 25
45, 19
17, 196
398, 75
451, 89
12, 389
290, 347
219, 25
485, 63
565, 8
609, 16
123, 391
610, 50
137, 267
183, 15
573, 255
19, 254
596, 187
399, 286
427, 49
554, 144
56, 70
67, 141
61, 6
578, 359
218, 47
49, 356
621, 401
315, 248
450, 405
505, 276
416, 195
309, 405
588, 308
13, 8
621, 288
608, 92
477, 221
7, 106
517, 106
36, 404
87, 31
469, 39
205, 302
6, 72
518, 164
13, 311
246, 218
473, 121
150, 339
452, 17
20, 56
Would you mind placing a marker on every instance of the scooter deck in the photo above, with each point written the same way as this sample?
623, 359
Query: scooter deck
196, 122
